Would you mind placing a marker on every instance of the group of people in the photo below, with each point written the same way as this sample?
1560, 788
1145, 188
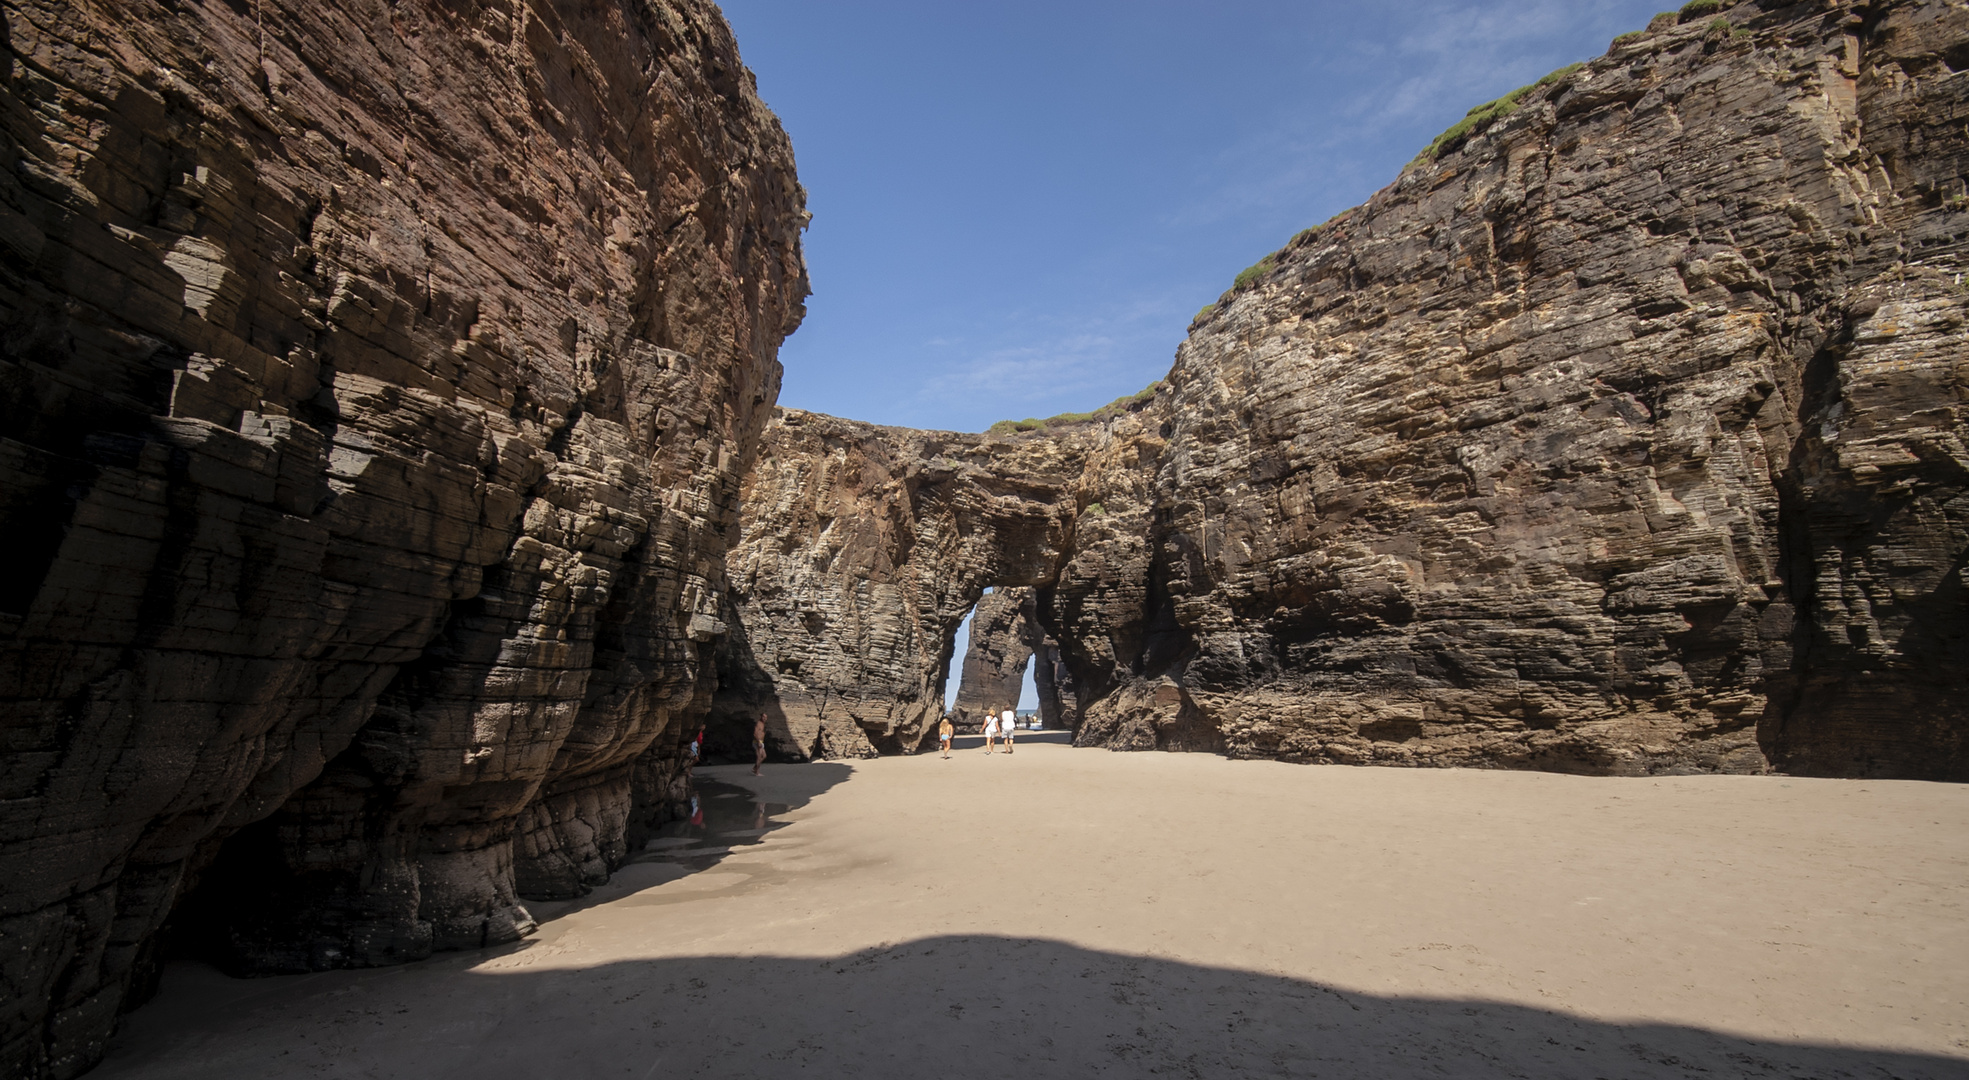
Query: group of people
996, 725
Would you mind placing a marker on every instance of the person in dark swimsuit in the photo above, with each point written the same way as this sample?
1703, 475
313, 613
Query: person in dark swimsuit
758, 743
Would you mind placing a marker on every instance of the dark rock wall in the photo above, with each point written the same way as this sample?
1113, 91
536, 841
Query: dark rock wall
1624, 437
1054, 684
1876, 488
375, 384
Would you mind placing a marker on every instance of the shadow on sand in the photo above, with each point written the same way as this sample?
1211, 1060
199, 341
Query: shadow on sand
952, 1006
930, 1006
733, 809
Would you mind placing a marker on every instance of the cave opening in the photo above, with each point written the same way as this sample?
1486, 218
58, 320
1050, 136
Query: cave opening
1003, 654
954, 658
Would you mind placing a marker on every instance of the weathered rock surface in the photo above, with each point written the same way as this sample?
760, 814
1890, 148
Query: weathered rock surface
379, 380
377, 383
1624, 437
1005, 635
862, 549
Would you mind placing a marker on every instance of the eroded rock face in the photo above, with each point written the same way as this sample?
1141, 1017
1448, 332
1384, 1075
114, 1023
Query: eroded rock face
1625, 437
378, 381
863, 549
1005, 635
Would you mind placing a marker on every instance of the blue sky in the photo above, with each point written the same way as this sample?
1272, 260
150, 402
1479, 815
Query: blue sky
1019, 206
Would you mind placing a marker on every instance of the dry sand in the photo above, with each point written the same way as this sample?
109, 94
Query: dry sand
1074, 912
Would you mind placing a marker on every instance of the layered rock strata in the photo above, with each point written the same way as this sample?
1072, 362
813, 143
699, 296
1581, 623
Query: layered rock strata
862, 550
378, 379
1623, 435
1004, 636
1627, 437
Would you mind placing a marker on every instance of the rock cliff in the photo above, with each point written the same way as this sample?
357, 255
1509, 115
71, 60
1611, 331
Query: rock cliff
1621, 434
1625, 436
862, 550
1005, 635
378, 380
382, 384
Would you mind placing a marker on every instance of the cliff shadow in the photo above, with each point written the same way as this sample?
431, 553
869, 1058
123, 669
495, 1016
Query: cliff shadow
744, 692
730, 809
950, 1006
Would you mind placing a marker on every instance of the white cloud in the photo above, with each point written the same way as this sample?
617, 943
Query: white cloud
1455, 54
1053, 364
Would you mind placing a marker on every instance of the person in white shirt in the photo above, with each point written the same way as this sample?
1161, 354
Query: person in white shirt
1008, 723
991, 730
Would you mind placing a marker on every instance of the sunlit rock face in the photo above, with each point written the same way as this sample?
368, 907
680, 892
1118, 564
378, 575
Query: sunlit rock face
1005, 634
863, 549
1623, 437
1626, 438
378, 380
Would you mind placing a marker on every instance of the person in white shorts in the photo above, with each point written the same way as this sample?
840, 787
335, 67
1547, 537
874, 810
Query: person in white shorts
991, 730
1008, 723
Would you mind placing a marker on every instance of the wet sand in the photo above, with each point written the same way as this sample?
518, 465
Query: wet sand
1075, 912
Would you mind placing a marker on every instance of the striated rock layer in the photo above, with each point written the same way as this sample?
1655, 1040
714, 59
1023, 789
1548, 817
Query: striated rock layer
1628, 437
1005, 636
1623, 436
863, 549
377, 381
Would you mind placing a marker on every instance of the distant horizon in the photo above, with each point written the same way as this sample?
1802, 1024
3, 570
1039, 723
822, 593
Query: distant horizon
1019, 207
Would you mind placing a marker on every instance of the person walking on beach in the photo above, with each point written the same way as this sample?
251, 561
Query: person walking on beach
1008, 723
945, 729
990, 729
758, 743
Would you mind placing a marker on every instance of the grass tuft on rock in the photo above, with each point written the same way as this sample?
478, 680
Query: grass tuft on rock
1483, 116
1250, 275
1696, 9
1122, 404
1255, 271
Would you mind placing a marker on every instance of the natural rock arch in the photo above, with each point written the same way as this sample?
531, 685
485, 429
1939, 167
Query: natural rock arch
1006, 636
865, 549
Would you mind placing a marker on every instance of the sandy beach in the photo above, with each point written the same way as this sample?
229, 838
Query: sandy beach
1067, 912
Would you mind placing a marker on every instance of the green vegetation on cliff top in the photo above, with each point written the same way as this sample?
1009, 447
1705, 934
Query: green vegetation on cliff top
1473, 122
1113, 408
1490, 112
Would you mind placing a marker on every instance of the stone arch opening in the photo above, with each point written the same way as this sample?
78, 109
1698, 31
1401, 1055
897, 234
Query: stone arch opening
845, 605
1009, 649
